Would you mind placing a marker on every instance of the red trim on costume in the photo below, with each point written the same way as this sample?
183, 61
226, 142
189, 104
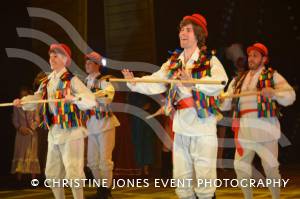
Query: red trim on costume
185, 103
236, 127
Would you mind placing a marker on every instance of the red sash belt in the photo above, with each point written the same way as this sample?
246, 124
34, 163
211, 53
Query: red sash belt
182, 104
185, 103
92, 112
236, 128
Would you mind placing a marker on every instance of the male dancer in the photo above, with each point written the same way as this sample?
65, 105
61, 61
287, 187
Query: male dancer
255, 118
195, 142
65, 157
101, 125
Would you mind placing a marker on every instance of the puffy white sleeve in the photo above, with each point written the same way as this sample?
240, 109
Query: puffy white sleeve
151, 88
284, 98
108, 89
78, 89
217, 74
37, 96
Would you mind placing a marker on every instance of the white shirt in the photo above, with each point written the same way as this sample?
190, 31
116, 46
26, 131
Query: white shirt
186, 121
94, 125
57, 135
253, 128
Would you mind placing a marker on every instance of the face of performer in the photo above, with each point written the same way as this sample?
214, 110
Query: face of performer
91, 67
57, 61
187, 37
255, 59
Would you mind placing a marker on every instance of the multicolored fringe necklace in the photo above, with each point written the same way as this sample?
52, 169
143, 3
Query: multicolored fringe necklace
67, 115
205, 105
266, 107
103, 111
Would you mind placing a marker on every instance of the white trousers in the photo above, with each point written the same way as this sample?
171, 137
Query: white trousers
268, 153
195, 157
66, 161
99, 158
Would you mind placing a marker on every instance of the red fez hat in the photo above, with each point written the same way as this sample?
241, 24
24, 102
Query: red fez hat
94, 56
260, 48
62, 48
199, 20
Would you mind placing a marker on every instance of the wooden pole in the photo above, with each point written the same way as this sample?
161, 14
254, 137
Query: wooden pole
100, 93
166, 81
249, 93
38, 102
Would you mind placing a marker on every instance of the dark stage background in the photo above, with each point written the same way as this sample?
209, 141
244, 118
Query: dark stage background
153, 27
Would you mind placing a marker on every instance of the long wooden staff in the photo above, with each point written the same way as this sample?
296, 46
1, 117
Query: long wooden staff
38, 102
167, 81
100, 93
157, 113
160, 111
249, 93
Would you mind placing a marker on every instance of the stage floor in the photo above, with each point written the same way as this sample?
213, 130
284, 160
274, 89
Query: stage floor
292, 191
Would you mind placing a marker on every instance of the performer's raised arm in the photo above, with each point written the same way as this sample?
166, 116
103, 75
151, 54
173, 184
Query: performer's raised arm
148, 88
29, 107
